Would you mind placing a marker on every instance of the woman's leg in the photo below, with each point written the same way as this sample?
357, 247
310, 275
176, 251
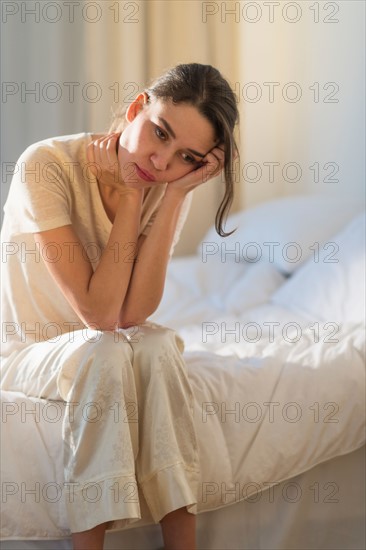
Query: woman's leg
179, 530
93, 375
100, 433
89, 540
167, 465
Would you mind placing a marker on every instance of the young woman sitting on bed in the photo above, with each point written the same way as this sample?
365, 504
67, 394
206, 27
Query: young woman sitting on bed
91, 246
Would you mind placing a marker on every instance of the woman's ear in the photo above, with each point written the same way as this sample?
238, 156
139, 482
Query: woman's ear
136, 106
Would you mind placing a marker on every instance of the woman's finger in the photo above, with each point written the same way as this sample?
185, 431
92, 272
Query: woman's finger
110, 145
105, 150
102, 152
214, 163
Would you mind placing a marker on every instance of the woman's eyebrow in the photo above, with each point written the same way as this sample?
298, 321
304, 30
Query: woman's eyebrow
167, 126
170, 131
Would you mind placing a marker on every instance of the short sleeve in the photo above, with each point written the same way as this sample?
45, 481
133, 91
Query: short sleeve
39, 196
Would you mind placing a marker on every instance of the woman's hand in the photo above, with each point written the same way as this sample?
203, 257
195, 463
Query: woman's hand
103, 158
212, 165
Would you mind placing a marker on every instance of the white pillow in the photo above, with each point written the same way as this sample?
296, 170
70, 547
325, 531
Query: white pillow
253, 289
331, 289
282, 231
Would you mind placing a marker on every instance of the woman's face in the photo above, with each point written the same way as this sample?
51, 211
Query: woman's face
162, 142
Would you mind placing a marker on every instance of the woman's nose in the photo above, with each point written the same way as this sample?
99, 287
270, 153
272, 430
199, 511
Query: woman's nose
160, 160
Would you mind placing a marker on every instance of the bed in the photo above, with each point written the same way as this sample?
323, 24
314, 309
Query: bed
273, 321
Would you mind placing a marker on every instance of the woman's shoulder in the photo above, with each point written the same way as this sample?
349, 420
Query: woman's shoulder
46, 180
52, 165
57, 148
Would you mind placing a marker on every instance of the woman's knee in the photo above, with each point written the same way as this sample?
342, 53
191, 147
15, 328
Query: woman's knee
103, 358
151, 339
157, 355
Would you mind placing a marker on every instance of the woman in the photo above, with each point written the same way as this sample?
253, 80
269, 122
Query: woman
90, 224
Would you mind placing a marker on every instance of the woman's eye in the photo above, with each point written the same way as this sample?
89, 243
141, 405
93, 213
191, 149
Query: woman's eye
159, 132
188, 158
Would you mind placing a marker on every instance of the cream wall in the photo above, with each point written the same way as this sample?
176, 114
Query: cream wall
105, 51
319, 56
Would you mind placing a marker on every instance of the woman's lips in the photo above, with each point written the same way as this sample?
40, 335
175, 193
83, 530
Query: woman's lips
143, 174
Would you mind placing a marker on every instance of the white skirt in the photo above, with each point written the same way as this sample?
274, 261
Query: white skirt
128, 423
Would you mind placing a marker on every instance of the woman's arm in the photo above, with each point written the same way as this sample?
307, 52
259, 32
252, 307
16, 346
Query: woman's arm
97, 297
148, 277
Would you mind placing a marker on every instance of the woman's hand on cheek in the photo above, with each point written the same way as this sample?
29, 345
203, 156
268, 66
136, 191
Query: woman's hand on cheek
103, 160
212, 165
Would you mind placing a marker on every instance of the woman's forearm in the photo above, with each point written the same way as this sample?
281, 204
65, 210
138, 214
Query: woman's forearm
108, 285
148, 277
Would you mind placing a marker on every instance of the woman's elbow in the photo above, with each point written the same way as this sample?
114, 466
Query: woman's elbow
132, 316
127, 322
103, 321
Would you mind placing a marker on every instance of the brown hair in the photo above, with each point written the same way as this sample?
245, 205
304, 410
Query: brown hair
203, 87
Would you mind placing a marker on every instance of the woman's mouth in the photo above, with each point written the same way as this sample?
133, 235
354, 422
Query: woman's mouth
143, 174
